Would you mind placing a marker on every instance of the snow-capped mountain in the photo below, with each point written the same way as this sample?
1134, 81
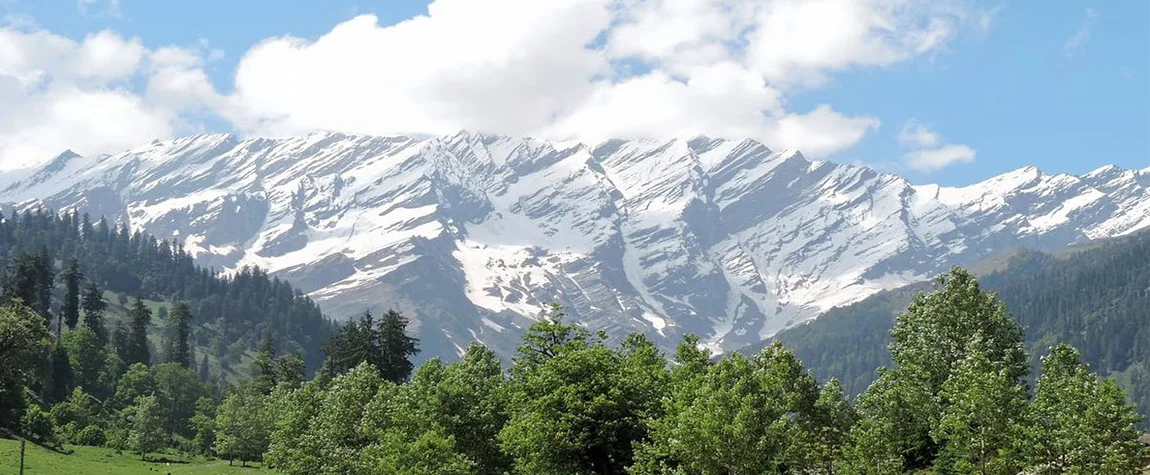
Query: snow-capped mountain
472, 235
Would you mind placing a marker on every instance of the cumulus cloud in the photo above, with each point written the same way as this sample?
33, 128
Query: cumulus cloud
581, 69
1075, 42
926, 150
60, 93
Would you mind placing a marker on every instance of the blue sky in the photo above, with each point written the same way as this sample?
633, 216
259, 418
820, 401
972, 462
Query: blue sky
1062, 85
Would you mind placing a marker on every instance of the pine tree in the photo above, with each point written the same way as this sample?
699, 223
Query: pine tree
94, 306
140, 318
61, 378
179, 349
395, 348
45, 278
205, 374
70, 308
263, 366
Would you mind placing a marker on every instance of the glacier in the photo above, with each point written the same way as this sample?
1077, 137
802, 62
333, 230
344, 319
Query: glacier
472, 235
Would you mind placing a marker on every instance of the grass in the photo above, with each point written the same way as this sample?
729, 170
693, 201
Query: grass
101, 461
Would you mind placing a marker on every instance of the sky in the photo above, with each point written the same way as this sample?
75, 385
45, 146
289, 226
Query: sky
939, 91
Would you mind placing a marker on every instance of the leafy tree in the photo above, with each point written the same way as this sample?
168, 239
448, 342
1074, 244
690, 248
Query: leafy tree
70, 307
431, 453
24, 347
87, 359
243, 426
178, 390
337, 425
1078, 425
466, 400
930, 339
979, 429
204, 424
147, 433
294, 448
137, 382
575, 407
738, 417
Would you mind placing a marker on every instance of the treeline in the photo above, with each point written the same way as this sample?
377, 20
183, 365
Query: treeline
954, 400
231, 312
1095, 299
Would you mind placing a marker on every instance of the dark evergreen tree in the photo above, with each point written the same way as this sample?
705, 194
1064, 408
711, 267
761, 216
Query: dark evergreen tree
94, 306
70, 307
395, 348
139, 318
60, 383
179, 349
205, 373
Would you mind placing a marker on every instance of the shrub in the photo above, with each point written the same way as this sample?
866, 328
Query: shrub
37, 423
92, 436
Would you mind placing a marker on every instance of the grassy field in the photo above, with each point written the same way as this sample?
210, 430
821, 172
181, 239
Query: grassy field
99, 461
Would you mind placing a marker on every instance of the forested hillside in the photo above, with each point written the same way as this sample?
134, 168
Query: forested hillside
229, 314
1095, 298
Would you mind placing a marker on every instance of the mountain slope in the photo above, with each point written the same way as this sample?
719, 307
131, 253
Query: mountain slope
1096, 298
473, 234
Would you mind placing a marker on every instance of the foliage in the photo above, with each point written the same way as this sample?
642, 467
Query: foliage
147, 429
24, 346
243, 426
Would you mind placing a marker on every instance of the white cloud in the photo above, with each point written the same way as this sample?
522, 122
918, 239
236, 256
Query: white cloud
820, 132
926, 150
59, 93
917, 135
584, 69
939, 158
1075, 42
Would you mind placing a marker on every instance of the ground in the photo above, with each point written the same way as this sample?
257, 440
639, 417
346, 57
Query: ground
100, 461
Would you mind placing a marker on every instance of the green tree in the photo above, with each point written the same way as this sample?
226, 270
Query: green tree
179, 349
979, 429
575, 407
24, 347
140, 318
137, 382
60, 381
395, 348
1077, 424
94, 306
930, 339
294, 448
337, 426
70, 307
87, 358
466, 400
738, 417
243, 426
430, 453
147, 433
178, 389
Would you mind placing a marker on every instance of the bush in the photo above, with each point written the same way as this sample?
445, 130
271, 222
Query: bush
37, 424
92, 436
117, 439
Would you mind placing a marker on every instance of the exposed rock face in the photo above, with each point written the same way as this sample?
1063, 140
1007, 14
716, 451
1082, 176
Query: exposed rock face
473, 234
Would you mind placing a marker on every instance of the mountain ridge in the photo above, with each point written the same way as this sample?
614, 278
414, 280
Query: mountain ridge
472, 234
